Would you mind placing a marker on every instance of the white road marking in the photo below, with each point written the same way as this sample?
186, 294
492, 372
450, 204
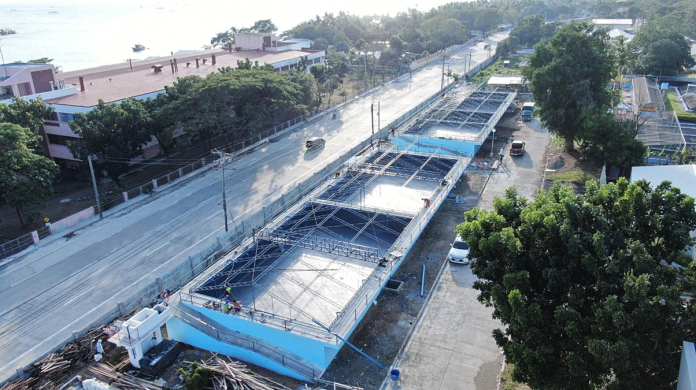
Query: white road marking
79, 295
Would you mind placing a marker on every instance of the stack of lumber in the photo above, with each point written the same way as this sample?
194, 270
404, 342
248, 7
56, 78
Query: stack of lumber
106, 373
236, 376
19, 384
49, 372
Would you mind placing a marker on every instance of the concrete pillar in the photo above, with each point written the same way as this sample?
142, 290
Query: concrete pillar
35, 236
154, 183
20, 373
121, 308
75, 335
158, 335
160, 285
203, 160
125, 196
181, 172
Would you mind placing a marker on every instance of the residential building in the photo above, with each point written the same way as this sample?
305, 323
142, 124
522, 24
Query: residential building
80, 91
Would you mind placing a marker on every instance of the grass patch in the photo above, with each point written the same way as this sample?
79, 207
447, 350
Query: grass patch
498, 68
506, 382
672, 104
577, 175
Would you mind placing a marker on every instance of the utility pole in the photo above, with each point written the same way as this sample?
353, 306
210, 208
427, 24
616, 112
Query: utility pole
94, 183
444, 55
372, 115
224, 158
379, 117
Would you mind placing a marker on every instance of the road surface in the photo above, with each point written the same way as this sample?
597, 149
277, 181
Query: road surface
64, 285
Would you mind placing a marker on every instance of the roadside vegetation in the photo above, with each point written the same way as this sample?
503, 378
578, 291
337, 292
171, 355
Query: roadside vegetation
579, 283
672, 104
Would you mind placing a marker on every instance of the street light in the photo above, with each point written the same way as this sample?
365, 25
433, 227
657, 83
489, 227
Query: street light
492, 141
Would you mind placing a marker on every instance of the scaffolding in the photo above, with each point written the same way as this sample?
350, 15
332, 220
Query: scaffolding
469, 117
333, 230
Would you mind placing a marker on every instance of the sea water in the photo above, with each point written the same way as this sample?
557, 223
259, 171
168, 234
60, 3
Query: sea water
79, 34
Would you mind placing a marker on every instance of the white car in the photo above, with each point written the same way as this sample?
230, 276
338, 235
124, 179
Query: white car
460, 252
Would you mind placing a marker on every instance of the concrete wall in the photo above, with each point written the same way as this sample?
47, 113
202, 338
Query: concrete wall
182, 332
71, 220
317, 352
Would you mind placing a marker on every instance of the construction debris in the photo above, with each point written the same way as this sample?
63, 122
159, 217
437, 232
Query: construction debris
232, 375
106, 373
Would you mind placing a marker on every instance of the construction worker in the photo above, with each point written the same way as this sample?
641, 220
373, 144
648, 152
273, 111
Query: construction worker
226, 307
237, 306
228, 291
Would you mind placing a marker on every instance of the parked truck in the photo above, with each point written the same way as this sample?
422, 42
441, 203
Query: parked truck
527, 111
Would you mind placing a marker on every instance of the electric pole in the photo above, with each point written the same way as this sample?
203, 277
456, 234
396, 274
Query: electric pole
224, 158
444, 55
372, 115
94, 183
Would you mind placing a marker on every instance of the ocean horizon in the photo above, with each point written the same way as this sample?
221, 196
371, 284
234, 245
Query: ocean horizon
79, 34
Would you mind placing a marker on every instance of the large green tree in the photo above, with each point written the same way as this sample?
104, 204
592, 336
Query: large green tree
608, 141
25, 177
568, 74
532, 29
659, 50
580, 286
114, 133
28, 114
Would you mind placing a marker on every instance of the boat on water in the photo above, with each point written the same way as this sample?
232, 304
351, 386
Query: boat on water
138, 47
7, 31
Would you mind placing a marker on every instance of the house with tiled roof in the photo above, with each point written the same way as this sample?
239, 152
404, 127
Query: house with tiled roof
80, 91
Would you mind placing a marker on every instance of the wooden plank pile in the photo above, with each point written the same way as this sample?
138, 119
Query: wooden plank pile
236, 376
106, 373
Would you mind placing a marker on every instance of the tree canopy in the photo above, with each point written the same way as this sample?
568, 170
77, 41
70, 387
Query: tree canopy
28, 114
114, 133
580, 285
568, 74
25, 177
659, 50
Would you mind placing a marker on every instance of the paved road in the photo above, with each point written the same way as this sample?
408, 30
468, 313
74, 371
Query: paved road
452, 347
63, 285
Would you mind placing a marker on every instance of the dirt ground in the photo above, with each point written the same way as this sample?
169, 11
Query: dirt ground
387, 324
570, 168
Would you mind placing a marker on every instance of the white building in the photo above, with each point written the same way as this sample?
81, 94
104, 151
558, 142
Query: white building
80, 91
611, 24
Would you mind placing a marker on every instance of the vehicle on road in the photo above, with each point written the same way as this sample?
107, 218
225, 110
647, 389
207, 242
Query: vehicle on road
527, 111
517, 148
459, 253
315, 143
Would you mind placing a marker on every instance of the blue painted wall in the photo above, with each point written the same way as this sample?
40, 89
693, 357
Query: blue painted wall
182, 332
428, 145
